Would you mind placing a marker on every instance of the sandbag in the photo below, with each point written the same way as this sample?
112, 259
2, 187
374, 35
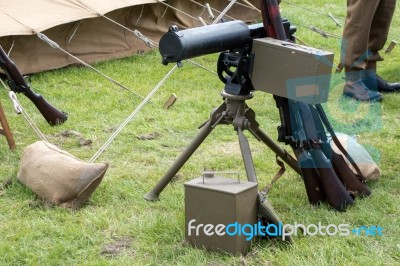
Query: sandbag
360, 155
57, 176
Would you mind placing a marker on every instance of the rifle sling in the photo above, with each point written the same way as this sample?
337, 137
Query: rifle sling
276, 177
336, 140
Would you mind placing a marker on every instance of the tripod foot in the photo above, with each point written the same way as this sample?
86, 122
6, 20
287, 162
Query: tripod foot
150, 196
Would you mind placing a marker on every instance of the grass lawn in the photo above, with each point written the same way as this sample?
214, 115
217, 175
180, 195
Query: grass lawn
152, 233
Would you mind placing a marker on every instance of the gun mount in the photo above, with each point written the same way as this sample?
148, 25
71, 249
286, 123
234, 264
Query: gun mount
250, 61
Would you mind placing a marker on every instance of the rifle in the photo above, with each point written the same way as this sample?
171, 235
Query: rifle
352, 182
325, 173
336, 194
18, 84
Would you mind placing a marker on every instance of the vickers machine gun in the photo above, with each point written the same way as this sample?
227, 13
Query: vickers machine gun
298, 77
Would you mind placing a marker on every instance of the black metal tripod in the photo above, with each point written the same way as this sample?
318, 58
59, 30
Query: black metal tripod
233, 111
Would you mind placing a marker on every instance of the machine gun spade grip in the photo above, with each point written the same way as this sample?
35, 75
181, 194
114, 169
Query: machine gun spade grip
17, 83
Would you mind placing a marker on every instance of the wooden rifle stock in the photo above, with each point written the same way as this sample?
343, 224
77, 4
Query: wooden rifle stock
345, 174
348, 178
311, 177
309, 173
18, 84
336, 194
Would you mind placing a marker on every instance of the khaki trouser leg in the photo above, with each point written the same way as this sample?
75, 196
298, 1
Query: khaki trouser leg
356, 34
380, 30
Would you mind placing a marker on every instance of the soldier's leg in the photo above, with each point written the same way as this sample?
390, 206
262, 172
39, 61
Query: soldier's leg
377, 39
354, 50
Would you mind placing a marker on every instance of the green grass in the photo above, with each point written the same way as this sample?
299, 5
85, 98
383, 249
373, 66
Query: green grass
33, 233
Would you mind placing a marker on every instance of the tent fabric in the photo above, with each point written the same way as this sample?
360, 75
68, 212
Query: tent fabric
79, 27
45, 14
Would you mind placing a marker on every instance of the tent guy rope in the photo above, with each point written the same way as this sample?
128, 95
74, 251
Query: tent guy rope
55, 45
141, 105
132, 115
149, 43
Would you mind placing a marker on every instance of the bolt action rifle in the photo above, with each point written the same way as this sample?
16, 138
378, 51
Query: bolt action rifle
18, 84
326, 175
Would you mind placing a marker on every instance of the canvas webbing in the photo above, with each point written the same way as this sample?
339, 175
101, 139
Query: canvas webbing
278, 175
20, 110
338, 144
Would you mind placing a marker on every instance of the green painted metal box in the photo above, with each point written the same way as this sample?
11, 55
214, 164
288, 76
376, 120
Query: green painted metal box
292, 71
215, 208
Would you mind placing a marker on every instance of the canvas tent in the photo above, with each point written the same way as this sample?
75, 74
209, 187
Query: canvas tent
85, 28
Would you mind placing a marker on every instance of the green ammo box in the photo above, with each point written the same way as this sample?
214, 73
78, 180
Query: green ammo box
211, 204
291, 71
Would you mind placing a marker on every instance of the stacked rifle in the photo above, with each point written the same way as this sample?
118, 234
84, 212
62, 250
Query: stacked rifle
326, 175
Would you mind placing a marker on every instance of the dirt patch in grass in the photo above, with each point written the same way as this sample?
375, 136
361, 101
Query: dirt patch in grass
149, 136
118, 246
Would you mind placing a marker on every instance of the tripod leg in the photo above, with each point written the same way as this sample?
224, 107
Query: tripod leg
286, 157
254, 128
164, 181
247, 158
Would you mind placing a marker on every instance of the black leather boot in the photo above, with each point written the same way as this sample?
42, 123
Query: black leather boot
386, 87
376, 83
356, 89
